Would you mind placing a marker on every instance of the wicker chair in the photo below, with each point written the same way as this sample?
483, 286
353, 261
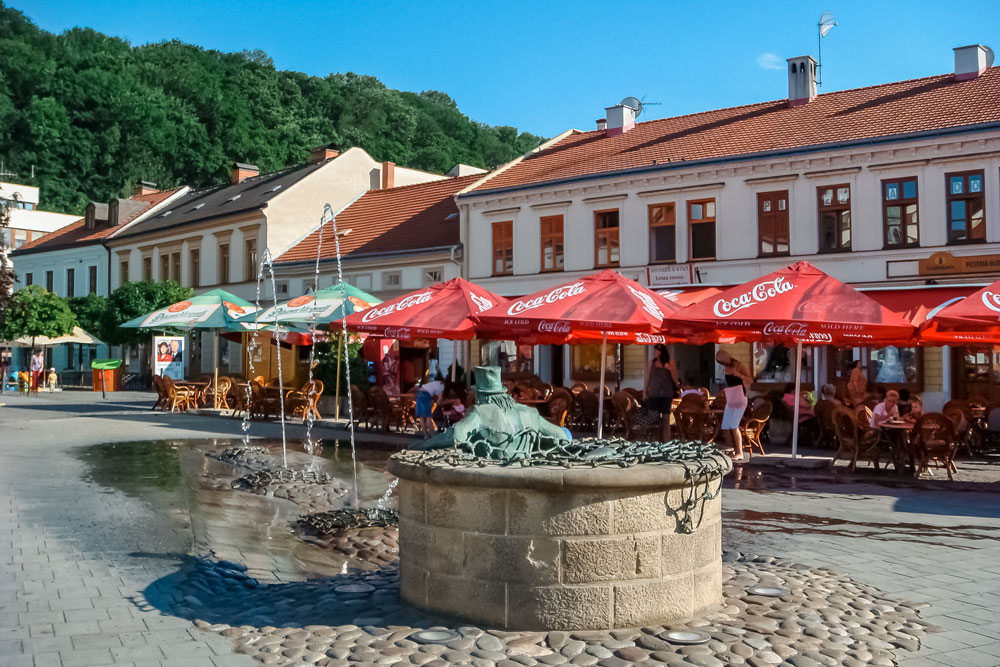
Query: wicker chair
826, 437
854, 442
588, 407
162, 396
579, 386
179, 398
361, 407
224, 386
625, 406
305, 402
694, 422
384, 411
755, 425
864, 416
934, 441
558, 407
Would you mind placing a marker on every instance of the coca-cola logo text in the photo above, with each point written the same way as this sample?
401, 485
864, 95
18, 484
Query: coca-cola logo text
558, 294
649, 339
647, 303
402, 304
992, 301
482, 303
793, 329
554, 326
760, 293
397, 332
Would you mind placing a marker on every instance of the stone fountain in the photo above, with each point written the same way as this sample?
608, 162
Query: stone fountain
506, 522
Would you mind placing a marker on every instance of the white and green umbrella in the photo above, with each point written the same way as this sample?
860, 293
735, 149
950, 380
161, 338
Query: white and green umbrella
325, 306
215, 309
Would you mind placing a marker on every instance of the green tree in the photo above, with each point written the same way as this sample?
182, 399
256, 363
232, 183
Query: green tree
7, 277
133, 300
35, 312
89, 311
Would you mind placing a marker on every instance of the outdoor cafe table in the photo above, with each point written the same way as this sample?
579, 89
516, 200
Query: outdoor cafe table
199, 388
898, 435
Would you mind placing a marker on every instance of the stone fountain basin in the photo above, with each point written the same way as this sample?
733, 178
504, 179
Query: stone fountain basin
552, 548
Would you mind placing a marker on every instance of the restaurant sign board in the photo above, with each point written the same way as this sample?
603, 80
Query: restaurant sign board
944, 263
665, 275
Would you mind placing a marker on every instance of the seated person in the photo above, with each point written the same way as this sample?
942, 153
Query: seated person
805, 405
886, 410
904, 402
828, 393
916, 409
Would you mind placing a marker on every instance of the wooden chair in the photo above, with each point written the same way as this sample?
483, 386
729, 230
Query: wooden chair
693, 401
755, 426
625, 406
588, 407
305, 401
578, 387
864, 416
558, 408
238, 399
854, 442
826, 436
694, 422
224, 386
934, 441
384, 411
162, 396
362, 407
179, 398
719, 402
635, 393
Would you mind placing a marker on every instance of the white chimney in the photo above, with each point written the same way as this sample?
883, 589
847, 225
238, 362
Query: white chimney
620, 119
971, 61
602, 124
801, 80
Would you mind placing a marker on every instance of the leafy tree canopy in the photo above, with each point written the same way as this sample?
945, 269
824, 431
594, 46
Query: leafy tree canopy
94, 115
89, 311
35, 312
133, 300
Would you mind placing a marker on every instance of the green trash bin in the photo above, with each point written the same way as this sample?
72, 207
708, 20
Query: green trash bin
106, 374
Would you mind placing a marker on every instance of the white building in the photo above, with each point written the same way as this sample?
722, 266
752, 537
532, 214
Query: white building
892, 185
74, 261
216, 237
27, 221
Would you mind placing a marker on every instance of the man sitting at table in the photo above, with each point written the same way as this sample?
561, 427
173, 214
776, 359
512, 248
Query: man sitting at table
887, 410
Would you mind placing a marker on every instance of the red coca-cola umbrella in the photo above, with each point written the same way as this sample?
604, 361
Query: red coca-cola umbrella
798, 304
443, 310
603, 306
973, 320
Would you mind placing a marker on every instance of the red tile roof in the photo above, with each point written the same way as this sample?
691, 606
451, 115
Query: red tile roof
905, 107
76, 234
411, 217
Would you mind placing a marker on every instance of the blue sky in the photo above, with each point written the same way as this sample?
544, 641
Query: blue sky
547, 66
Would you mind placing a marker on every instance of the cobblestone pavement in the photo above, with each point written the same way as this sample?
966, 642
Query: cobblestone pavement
77, 557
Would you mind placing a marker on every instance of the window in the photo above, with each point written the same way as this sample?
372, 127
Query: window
515, 361
147, 268
772, 223
662, 233
392, 280
91, 280
164, 267
888, 366
586, 362
552, 242
775, 364
363, 281
250, 259
432, 276
20, 238
834, 218
29, 279
899, 212
48, 281
606, 238
281, 287
701, 221
966, 207
194, 270
503, 248
175, 266
123, 272
223, 263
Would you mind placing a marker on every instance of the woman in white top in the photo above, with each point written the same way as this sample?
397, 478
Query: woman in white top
737, 379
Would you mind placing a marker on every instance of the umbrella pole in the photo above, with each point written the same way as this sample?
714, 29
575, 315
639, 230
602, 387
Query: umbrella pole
215, 363
336, 395
798, 392
454, 359
600, 388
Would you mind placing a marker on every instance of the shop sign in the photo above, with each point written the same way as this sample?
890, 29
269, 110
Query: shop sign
664, 275
944, 263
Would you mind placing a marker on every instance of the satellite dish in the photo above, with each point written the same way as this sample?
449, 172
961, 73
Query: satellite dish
633, 103
826, 23
989, 57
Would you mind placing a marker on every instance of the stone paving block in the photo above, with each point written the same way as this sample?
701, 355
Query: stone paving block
234, 660
48, 645
86, 658
10, 647
102, 640
77, 628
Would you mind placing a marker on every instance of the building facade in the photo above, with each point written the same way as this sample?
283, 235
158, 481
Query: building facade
27, 221
883, 187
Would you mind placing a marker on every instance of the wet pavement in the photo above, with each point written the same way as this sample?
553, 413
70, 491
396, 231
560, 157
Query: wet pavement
90, 526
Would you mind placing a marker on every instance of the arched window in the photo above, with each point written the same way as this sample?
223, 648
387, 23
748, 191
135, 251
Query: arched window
793, 68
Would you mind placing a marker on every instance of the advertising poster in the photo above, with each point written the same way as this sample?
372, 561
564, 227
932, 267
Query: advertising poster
168, 356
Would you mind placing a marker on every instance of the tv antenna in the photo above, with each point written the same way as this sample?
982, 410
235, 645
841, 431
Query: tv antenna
636, 104
825, 25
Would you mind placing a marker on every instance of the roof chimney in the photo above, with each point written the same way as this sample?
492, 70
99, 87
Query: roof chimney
801, 80
620, 119
95, 214
241, 172
388, 175
144, 188
602, 124
971, 61
323, 153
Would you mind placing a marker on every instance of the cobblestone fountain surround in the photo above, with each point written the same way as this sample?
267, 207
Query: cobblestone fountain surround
561, 548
